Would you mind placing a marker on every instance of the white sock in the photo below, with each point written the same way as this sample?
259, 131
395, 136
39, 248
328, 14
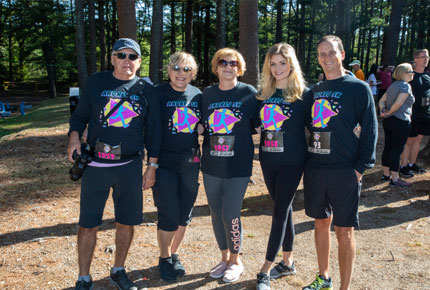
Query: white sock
86, 278
116, 269
410, 164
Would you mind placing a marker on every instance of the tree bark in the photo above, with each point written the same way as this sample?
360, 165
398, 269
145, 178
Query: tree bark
391, 34
189, 27
248, 39
206, 61
172, 28
102, 41
279, 20
48, 55
93, 39
220, 24
127, 19
80, 45
156, 56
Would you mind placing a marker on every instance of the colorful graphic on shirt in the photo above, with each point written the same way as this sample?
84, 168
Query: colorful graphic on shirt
321, 113
222, 121
122, 116
272, 117
184, 120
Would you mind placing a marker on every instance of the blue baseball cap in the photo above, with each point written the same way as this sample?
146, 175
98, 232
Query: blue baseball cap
123, 43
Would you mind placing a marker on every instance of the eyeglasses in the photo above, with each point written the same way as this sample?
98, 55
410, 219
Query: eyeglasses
224, 63
123, 55
410, 72
424, 56
185, 69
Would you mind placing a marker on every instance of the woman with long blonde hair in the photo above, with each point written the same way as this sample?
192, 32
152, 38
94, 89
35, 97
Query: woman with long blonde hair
282, 152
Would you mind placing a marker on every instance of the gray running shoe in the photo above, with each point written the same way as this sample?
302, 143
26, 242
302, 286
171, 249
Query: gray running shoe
263, 281
120, 280
282, 270
83, 285
178, 267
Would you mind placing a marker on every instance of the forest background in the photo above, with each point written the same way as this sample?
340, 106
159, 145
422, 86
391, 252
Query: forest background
59, 43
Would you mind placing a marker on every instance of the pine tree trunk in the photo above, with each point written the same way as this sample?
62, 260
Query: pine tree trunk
156, 59
391, 34
93, 39
220, 24
80, 44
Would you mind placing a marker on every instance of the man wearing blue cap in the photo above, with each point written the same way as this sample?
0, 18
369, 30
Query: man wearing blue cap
116, 142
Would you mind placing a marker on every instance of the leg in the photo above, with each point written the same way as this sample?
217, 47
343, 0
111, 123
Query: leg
415, 148
322, 245
123, 238
165, 240
177, 239
86, 243
346, 254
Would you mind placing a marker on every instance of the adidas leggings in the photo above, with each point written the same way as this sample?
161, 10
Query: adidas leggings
281, 182
225, 197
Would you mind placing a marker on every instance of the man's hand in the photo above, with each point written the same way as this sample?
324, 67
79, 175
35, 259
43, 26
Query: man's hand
148, 180
359, 175
74, 144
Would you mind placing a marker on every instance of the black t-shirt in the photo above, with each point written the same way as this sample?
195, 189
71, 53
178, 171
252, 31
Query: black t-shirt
421, 91
180, 114
283, 140
343, 125
230, 118
133, 126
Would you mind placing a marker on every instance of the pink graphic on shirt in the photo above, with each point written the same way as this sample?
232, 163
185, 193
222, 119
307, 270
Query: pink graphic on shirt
122, 116
222, 121
184, 120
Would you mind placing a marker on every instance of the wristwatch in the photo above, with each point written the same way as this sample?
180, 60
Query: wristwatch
155, 165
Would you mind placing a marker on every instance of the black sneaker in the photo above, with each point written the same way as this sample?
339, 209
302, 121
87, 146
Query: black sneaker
263, 281
406, 172
385, 177
165, 266
84, 285
416, 169
120, 280
282, 270
178, 267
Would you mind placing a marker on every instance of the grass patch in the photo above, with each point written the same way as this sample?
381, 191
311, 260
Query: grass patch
50, 113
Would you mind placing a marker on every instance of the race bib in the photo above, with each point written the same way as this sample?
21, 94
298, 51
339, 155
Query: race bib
222, 146
106, 151
319, 142
425, 101
273, 141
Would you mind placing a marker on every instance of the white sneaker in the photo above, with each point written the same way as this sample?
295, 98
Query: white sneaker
233, 272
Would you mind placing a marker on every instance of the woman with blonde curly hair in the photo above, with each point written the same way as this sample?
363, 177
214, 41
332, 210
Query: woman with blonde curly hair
282, 151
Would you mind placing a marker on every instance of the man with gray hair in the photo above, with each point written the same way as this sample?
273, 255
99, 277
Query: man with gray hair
123, 119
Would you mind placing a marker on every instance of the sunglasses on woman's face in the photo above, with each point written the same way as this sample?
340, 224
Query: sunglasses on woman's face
224, 63
123, 55
185, 69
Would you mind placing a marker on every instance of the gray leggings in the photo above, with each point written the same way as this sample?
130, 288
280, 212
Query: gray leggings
225, 197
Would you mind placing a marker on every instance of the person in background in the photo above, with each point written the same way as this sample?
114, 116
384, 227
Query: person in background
358, 72
371, 80
176, 187
420, 115
282, 152
230, 116
384, 76
396, 109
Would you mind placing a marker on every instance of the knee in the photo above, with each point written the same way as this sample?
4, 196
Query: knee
322, 224
123, 227
345, 235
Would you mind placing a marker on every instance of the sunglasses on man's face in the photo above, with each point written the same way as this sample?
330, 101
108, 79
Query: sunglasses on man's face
123, 55
224, 63
185, 69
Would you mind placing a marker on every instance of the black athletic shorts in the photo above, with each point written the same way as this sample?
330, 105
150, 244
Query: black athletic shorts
175, 192
420, 126
126, 181
332, 191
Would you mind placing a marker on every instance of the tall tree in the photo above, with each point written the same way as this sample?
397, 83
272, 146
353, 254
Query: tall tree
189, 27
80, 43
156, 52
127, 19
248, 39
92, 68
279, 20
172, 28
220, 24
102, 41
391, 34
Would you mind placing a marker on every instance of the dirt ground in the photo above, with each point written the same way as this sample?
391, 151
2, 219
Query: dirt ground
39, 209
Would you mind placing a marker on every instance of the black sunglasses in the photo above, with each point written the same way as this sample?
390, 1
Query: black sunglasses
224, 63
185, 69
123, 55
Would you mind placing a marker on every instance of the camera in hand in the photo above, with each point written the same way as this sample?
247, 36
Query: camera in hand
81, 161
